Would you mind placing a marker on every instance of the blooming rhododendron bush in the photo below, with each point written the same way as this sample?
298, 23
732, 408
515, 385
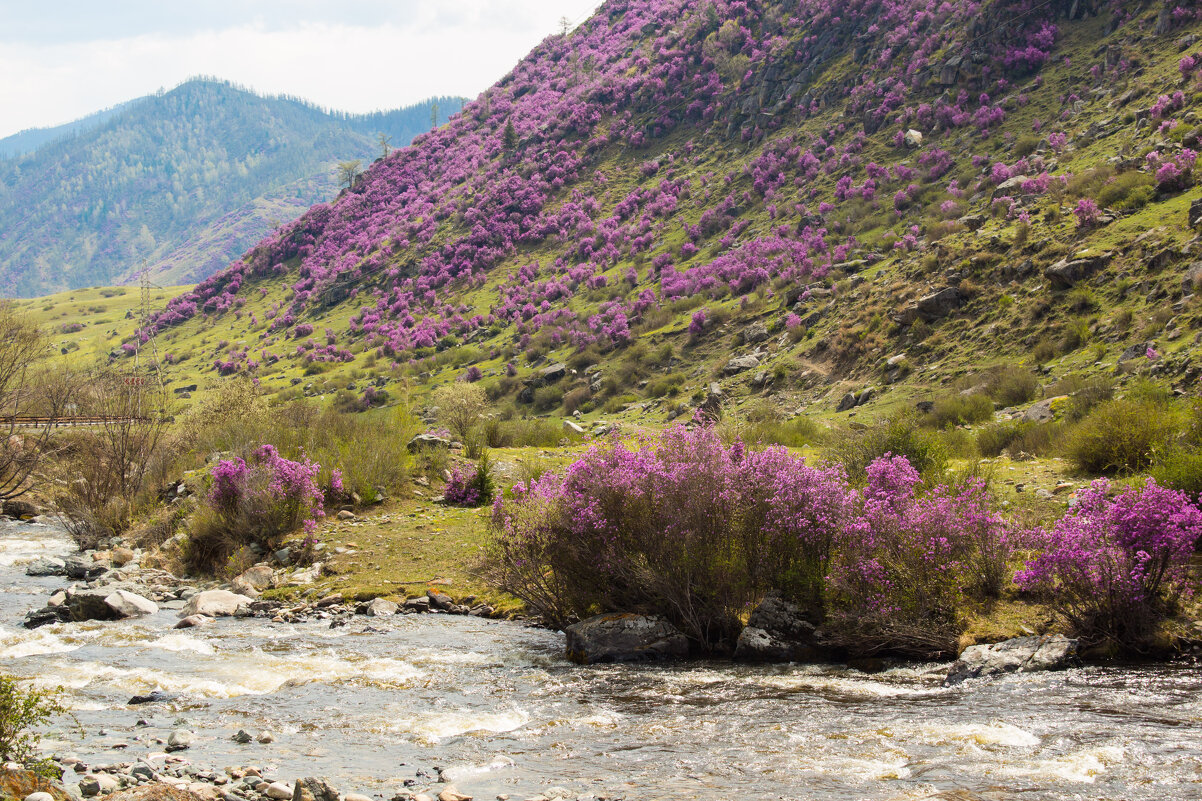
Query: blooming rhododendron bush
696, 530
699, 531
259, 501
1113, 566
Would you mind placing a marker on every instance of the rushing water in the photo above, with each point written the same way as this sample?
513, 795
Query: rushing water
498, 709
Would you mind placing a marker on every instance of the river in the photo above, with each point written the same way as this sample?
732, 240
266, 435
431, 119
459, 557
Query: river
496, 707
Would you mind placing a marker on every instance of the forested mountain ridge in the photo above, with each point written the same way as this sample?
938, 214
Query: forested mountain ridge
178, 183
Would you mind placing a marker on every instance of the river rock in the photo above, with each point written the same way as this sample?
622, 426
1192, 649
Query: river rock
97, 784
21, 510
778, 631
451, 794
418, 604
440, 600
152, 698
81, 568
624, 638
155, 791
379, 607
355, 797
194, 621
179, 740
16, 783
122, 556
260, 577
215, 603
90, 605
278, 791
1018, 655
314, 789
46, 616
46, 566
39, 796
127, 604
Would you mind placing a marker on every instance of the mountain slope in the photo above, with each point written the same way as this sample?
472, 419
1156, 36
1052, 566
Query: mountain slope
150, 182
884, 192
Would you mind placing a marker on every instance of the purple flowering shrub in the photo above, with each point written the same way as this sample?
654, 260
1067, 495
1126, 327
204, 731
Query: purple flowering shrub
697, 530
471, 488
260, 500
907, 563
1113, 566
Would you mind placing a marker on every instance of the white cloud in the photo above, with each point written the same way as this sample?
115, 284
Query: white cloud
442, 49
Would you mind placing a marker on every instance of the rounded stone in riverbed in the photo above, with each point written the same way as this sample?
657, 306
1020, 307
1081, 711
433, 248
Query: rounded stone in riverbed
39, 797
278, 791
179, 740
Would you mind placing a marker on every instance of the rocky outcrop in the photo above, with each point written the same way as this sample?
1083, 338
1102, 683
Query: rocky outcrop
423, 442
1044, 411
1065, 273
779, 631
215, 603
939, 304
740, 364
1018, 655
624, 638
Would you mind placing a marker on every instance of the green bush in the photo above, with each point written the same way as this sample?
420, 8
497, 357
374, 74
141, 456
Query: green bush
955, 410
1180, 469
21, 712
1121, 436
547, 398
1011, 386
1128, 191
900, 435
993, 439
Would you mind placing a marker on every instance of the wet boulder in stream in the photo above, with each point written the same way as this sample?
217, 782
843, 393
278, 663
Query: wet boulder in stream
215, 603
624, 638
779, 631
1017, 655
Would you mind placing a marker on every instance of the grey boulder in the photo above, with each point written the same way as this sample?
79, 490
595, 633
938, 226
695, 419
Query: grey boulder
1018, 655
779, 631
46, 566
622, 637
128, 604
215, 603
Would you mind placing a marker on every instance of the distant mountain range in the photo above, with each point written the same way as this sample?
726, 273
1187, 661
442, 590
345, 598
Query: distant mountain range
179, 183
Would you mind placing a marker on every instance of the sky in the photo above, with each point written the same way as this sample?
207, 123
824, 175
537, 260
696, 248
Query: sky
63, 60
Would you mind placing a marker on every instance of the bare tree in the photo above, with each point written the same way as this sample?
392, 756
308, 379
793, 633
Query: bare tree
110, 461
32, 399
385, 142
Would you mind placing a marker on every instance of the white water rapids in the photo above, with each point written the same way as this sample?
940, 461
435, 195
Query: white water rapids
496, 707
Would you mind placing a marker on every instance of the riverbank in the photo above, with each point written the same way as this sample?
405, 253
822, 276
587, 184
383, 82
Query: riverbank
390, 705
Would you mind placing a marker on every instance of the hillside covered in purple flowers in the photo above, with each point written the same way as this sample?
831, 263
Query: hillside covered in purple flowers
880, 192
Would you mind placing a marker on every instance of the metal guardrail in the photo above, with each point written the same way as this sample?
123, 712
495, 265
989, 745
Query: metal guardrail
65, 422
